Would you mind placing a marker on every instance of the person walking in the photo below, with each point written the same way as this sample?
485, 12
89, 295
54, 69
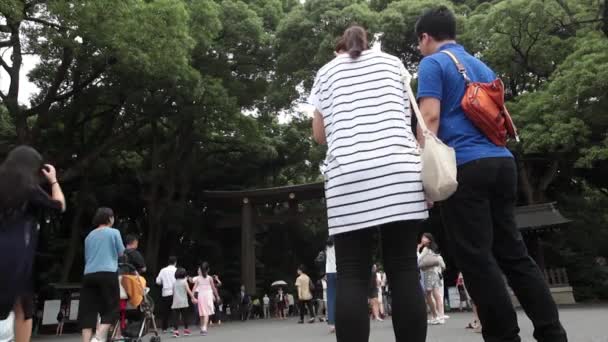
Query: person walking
374, 293
207, 294
218, 304
266, 301
244, 304
304, 286
432, 265
282, 304
22, 204
291, 303
479, 218
372, 183
166, 279
100, 293
132, 256
180, 305
462, 293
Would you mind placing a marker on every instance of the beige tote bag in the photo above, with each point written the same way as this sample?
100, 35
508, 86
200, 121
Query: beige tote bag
438, 159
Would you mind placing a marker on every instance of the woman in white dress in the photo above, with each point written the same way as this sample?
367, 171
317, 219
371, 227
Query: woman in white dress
372, 182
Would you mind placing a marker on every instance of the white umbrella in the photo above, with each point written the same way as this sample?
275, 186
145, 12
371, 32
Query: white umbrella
279, 283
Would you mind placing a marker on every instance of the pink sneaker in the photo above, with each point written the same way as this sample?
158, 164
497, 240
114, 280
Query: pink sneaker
187, 332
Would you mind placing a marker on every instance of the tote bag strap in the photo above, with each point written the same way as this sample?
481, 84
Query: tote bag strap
414, 105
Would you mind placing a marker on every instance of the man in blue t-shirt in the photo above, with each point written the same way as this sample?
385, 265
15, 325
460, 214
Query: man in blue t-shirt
480, 217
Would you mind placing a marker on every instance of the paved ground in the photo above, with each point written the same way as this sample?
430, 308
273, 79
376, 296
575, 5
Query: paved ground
583, 323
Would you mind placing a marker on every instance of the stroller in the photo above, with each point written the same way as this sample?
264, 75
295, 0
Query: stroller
135, 331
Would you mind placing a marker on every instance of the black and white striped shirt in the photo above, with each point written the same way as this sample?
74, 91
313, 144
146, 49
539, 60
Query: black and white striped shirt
372, 168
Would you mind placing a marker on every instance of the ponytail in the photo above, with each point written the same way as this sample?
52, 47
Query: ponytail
355, 41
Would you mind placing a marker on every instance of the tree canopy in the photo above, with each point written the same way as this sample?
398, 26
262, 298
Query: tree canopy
143, 104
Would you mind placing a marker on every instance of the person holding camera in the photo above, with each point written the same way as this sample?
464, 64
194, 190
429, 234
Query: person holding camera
23, 204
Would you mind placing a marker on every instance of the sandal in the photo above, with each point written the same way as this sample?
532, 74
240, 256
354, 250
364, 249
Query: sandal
472, 325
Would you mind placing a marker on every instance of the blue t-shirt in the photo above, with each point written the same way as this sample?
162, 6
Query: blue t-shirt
439, 78
102, 247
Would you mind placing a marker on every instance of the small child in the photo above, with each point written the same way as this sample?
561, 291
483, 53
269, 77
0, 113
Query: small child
181, 291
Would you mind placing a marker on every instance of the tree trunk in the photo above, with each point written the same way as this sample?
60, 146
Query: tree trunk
75, 244
536, 191
154, 236
524, 182
547, 179
605, 19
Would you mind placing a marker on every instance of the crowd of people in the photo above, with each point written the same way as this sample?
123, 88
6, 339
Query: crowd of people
373, 186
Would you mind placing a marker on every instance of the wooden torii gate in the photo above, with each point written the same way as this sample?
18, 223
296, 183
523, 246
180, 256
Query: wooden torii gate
533, 220
247, 220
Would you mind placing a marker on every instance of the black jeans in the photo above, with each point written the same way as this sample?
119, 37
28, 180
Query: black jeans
307, 304
480, 225
354, 263
165, 311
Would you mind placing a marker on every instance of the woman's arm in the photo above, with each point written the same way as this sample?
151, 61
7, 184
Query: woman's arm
190, 293
318, 128
56, 193
215, 293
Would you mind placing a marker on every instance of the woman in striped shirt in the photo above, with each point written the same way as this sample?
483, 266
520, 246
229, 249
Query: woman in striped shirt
372, 180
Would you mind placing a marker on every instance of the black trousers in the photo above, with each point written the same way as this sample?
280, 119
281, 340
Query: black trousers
354, 263
165, 311
480, 225
184, 315
306, 304
244, 310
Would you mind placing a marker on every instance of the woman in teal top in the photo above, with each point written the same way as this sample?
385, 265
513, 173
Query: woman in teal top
100, 294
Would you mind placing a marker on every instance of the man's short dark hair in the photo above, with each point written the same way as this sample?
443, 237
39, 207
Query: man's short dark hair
302, 268
172, 260
439, 23
131, 238
103, 216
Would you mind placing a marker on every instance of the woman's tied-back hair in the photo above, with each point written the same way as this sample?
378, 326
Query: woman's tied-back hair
355, 41
20, 174
205, 269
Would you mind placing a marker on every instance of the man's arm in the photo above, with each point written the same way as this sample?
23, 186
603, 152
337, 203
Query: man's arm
430, 108
430, 93
159, 280
318, 128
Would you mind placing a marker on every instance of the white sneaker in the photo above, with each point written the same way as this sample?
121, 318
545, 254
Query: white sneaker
446, 317
437, 321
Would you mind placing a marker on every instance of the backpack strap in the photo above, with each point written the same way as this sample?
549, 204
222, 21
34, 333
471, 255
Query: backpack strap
461, 69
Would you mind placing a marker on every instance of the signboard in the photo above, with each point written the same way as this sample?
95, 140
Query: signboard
51, 309
74, 309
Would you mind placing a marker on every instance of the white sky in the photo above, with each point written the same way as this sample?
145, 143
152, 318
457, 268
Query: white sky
27, 89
